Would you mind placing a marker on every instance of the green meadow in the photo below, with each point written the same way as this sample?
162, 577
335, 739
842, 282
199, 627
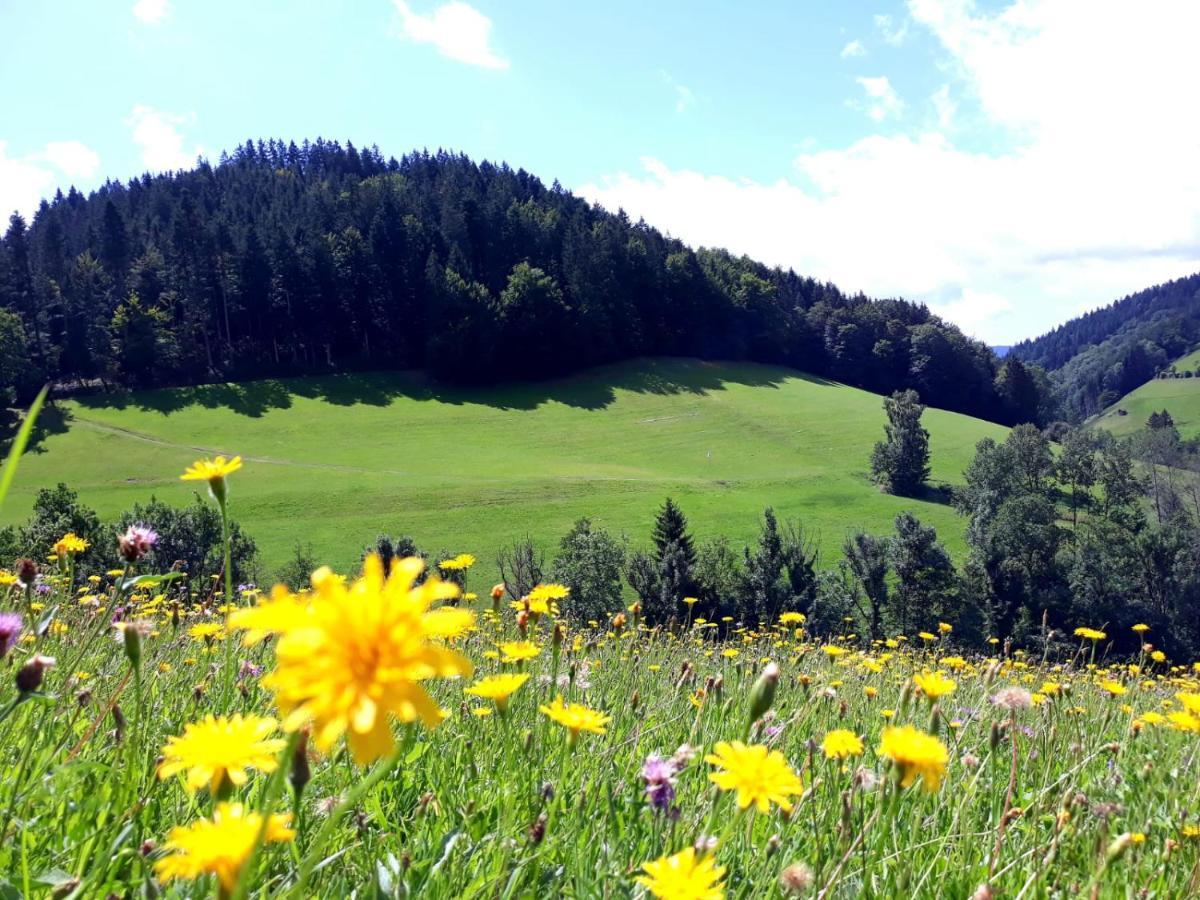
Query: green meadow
333, 462
1179, 396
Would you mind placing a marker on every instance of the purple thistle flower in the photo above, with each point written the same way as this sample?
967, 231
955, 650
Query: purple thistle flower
249, 670
11, 627
659, 775
136, 542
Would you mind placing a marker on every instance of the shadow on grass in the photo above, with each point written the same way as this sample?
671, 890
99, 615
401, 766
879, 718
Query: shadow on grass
593, 389
53, 419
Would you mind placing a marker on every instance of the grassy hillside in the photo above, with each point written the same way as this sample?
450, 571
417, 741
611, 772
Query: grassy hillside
336, 461
1179, 396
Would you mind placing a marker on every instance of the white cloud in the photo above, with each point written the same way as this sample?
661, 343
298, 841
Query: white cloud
150, 12
854, 48
882, 99
72, 158
893, 33
1079, 183
162, 144
456, 29
26, 180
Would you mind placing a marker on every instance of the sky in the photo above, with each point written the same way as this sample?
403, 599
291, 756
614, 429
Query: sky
1012, 164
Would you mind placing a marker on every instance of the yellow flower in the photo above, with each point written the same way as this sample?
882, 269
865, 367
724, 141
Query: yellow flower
730, 653
215, 749
575, 717
497, 688
361, 652
1185, 721
207, 631
1189, 701
211, 470
833, 651
691, 601
282, 612
916, 754
1090, 634
549, 592
1158, 656
7, 578
945, 627
458, 563
841, 743
926, 636
792, 618
759, 775
934, 684
683, 877
518, 651
219, 846
481, 712
1141, 627
1114, 688
954, 663
70, 544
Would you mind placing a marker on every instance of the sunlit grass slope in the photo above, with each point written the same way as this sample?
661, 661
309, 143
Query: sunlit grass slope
333, 462
1179, 396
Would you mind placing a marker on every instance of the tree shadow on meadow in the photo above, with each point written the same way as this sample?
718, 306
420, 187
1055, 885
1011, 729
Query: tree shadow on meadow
53, 419
593, 389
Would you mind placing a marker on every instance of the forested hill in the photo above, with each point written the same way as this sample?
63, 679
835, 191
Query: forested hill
288, 258
1108, 352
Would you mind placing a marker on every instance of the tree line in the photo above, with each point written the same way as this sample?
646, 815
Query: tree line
1102, 355
289, 259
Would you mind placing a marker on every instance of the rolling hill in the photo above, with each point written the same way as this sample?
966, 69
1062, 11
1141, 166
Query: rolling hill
1179, 396
335, 461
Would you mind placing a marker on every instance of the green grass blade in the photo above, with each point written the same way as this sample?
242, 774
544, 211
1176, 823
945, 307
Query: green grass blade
19, 442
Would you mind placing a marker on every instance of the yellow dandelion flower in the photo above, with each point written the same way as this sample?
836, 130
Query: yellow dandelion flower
945, 627
497, 688
214, 750
833, 651
926, 636
683, 877
575, 718
934, 684
1189, 701
1185, 721
915, 753
70, 544
1090, 634
792, 618
549, 592
211, 470
207, 631
758, 775
1114, 688
459, 563
362, 652
518, 651
219, 846
841, 744
1141, 627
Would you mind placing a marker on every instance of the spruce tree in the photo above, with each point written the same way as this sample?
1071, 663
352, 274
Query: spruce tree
671, 527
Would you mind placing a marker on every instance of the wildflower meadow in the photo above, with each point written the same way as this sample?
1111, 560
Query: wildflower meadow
403, 732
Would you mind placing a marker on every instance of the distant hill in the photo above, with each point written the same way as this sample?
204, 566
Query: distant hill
1178, 393
335, 461
1097, 358
286, 259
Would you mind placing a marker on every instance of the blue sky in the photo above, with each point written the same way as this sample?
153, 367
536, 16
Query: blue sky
1010, 164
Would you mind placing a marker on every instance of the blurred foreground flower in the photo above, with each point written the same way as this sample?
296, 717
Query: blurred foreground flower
683, 877
359, 652
219, 846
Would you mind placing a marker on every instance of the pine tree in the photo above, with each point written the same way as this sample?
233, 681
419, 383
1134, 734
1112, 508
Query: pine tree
671, 528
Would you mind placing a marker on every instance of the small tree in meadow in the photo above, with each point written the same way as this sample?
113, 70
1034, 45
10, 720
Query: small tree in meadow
900, 462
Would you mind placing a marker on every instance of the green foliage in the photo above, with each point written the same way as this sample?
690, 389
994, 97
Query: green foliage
900, 462
590, 562
57, 511
189, 540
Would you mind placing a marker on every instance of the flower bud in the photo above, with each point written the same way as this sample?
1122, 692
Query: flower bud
762, 695
30, 675
301, 772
